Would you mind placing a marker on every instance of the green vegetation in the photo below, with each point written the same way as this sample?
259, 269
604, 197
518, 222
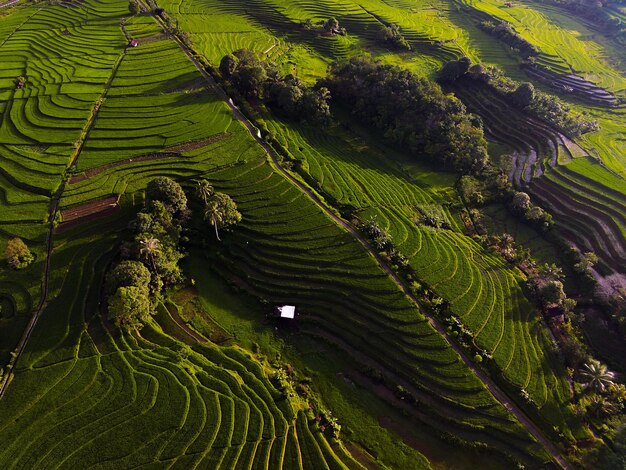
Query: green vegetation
144, 204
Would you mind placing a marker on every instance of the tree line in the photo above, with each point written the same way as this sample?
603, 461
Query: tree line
523, 96
287, 95
410, 112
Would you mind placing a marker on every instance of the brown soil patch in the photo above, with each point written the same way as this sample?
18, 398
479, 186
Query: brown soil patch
88, 211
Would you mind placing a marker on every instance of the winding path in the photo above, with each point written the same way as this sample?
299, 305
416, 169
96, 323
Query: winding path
502, 397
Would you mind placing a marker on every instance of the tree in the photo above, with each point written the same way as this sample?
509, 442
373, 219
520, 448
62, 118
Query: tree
128, 273
596, 376
204, 191
250, 80
129, 307
331, 25
587, 261
167, 191
228, 65
552, 293
454, 69
600, 407
221, 212
17, 254
520, 202
133, 7
524, 95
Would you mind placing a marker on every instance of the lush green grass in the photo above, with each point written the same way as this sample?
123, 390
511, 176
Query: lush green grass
215, 406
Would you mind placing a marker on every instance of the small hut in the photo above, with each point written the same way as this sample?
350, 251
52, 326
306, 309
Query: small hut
285, 311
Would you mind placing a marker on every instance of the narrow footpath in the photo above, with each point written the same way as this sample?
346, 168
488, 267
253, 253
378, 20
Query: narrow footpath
486, 380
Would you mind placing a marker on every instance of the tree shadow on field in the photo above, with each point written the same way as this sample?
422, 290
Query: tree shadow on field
180, 83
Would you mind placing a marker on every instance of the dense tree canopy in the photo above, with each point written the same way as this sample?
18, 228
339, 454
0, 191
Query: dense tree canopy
392, 36
129, 307
255, 78
128, 273
17, 254
412, 112
168, 192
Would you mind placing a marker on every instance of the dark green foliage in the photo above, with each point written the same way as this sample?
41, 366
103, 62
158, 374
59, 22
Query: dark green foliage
128, 273
331, 25
133, 7
228, 65
254, 78
292, 98
524, 95
17, 254
411, 112
552, 292
129, 308
391, 35
167, 191
505, 32
454, 69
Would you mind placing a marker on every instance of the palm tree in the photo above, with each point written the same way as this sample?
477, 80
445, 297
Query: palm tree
204, 191
597, 376
599, 407
213, 212
149, 248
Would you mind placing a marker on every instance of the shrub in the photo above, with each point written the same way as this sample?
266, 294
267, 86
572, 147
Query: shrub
17, 254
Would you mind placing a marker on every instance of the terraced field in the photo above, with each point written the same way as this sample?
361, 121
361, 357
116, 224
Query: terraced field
82, 388
96, 120
482, 289
145, 399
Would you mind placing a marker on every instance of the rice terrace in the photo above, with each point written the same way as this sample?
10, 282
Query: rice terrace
313, 234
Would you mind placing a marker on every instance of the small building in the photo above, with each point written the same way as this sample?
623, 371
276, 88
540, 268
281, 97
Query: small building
133, 43
285, 311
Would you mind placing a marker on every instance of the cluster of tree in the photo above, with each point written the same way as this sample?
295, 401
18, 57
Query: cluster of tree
521, 95
603, 397
150, 259
546, 283
505, 32
17, 254
411, 112
391, 35
329, 26
254, 78
521, 205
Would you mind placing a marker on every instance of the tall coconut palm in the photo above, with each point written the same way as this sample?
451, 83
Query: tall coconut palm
214, 213
149, 248
597, 376
204, 190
